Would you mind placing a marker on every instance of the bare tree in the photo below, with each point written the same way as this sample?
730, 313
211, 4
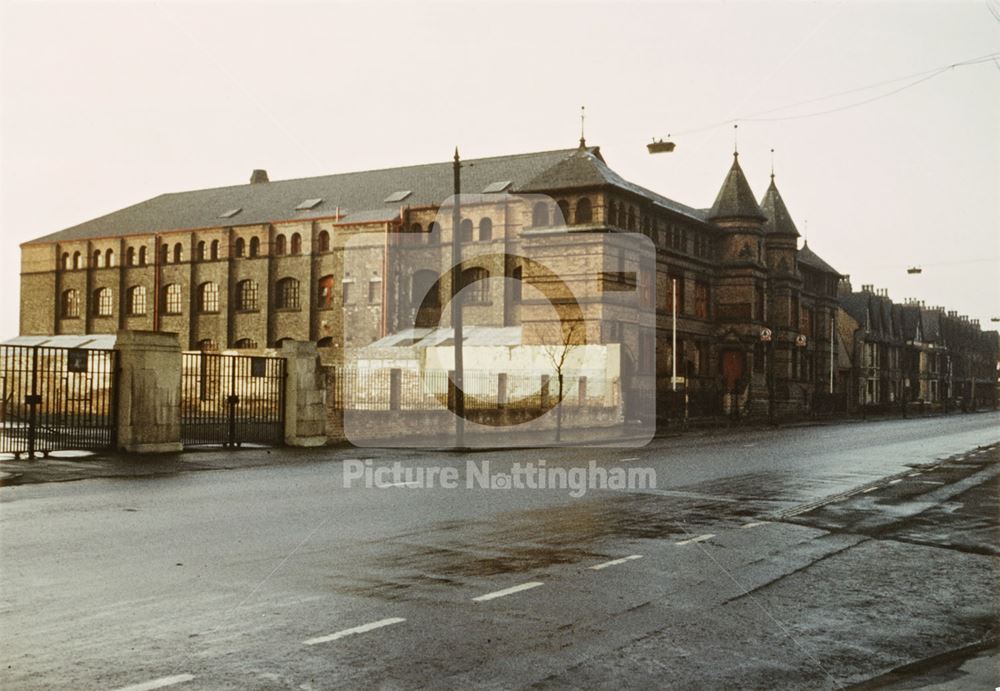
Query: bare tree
558, 354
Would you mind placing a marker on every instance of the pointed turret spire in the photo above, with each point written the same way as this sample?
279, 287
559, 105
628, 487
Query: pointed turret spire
736, 199
779, 221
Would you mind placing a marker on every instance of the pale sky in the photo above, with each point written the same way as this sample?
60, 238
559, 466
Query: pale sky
106, 104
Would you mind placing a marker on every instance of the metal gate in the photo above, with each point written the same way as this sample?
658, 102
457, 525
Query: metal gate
232, 400
57, 399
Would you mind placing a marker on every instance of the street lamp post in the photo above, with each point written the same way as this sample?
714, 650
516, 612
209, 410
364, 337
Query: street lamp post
456, 303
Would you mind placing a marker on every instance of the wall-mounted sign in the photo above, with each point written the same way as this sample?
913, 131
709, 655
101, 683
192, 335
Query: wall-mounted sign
765, 335
800, 341
76, 360
258, 367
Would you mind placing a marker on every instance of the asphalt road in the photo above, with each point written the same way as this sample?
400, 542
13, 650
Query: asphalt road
818, 557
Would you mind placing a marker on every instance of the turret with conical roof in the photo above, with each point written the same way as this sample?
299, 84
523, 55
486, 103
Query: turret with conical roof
736, 212
780, 234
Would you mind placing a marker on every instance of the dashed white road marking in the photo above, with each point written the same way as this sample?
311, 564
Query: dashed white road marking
870, 489
913, 475
159, 683
630, 458
615, 562
931, 482
507, 591
700, 538
897, 480
753, 524
357, 629
411, 483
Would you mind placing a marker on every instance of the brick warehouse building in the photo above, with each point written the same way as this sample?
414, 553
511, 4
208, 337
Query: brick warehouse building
249, 266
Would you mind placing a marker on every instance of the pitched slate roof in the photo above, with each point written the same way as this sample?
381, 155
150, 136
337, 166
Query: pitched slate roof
365, 191
813, 260
586, 168
779, 221
736, 199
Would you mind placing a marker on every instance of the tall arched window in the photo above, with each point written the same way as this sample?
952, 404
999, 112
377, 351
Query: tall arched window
246, 295
172, 303
516, 290
178, 253
67, 263
130, 256
476, 279
612, 215
109, 258
324, 292
254, 247
239, 247
70, 304
208, 297
279, 245
164, 253
465, 230
622, 222
214, 250
563, 206
77, 260
584, 212
142, 256
104, 304
98, 261
296, 244
287, 294
137, 301
485, 229
540, 215
631, 218
201, 250
323, 241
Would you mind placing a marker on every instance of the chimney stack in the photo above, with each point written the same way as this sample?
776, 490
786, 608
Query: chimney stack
259, 175
975, 322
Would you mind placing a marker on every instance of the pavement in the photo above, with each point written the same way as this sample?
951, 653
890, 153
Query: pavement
834, 556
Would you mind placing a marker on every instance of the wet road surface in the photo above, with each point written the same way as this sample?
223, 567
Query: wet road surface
818, 557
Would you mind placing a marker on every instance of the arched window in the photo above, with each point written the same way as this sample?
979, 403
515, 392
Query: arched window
486, 229
130, 256
563, 206
98, 262
296, 244
207, 345
323, 241
77, 260
584, 212
287, 297
109, 258
612, 215
142, 256
416, 228
67, 263
245, 344
631, 218
164, 253
279, 245
239, 247
424, 289
172, 299
70, 304
324, 294
622, 223
214, 251
434, 231
137, 301
254, 247
201, 250
208, 297
476, 279
540, 215
103, 302
246, 295
178, 253
325, 342
516, 289
465, 230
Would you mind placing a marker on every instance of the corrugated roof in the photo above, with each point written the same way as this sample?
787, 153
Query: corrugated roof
276, 201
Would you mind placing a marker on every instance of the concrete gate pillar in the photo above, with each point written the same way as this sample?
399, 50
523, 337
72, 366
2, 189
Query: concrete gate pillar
149, 390
305, 395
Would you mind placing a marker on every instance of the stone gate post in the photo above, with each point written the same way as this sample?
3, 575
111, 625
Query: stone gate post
149, 392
